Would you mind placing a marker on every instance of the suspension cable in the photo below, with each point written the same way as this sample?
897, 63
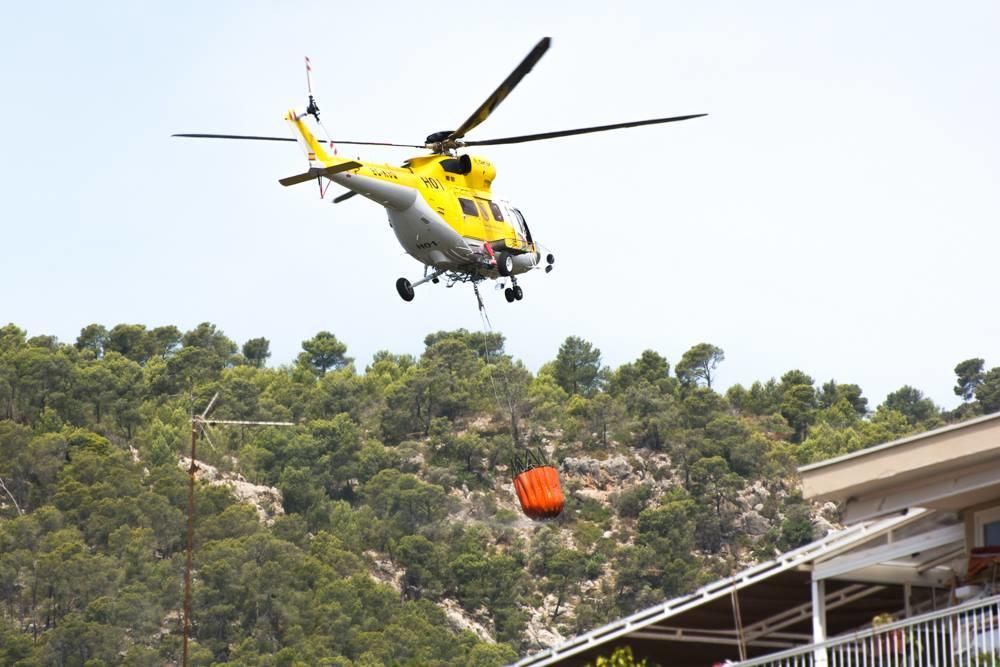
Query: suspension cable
487, 331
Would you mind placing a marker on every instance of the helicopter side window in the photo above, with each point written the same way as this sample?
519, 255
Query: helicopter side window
468, 207
482, 209
497, 215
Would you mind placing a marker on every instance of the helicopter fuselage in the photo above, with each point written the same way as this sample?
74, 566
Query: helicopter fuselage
444, 225
440, 207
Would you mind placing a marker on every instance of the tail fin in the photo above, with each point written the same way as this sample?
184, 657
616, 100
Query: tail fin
304, 129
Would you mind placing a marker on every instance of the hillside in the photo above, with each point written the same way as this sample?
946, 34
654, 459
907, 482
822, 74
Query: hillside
383, 528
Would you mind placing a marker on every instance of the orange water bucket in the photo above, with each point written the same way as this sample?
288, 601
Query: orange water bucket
539, 491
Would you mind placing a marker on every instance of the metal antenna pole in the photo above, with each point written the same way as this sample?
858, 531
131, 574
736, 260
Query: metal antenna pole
192, 469
198, 423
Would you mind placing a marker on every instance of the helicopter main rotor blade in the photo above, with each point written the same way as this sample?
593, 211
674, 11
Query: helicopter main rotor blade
501, 93
231, 136
581, 130
259, 138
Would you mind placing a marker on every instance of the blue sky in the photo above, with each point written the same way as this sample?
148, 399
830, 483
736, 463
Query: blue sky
836, 212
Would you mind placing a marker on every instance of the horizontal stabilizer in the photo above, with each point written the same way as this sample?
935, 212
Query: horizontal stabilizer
316, 172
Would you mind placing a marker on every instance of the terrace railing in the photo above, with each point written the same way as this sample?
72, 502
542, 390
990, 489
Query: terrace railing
966, 635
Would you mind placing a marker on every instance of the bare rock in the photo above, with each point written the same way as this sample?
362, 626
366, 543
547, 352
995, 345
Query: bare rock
591, 494
755, 494
384, 572
822, 527
267, 500
539, 631
830, 512
825, 519
754, 524
414, 463
618, 467
611, 472
460, 620
574, 465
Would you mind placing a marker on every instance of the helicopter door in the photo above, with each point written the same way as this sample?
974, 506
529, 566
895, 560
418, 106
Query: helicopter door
472, 224
514, 221
523, 224
493, 214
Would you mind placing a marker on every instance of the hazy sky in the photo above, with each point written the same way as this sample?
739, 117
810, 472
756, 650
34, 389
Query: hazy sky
836, 212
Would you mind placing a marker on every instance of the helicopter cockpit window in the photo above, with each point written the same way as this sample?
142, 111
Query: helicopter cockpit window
497, 215
468, 207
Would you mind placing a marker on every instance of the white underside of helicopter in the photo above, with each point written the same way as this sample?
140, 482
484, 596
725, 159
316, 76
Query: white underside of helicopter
423, 233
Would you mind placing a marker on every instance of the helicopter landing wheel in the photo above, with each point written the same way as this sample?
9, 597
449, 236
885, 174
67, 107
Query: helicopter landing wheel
505, 263
518, 292
405, 289
509, 294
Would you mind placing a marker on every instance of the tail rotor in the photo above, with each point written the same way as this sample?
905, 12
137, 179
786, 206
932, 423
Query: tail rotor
313, 108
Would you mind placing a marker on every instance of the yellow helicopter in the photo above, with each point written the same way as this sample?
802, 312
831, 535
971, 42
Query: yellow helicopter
440, 205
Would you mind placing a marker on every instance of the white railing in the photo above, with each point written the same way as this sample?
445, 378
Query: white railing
966, 635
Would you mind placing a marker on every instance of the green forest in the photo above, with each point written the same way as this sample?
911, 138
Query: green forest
396, 538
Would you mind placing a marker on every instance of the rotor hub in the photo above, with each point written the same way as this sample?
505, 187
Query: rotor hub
441, 142
438, 137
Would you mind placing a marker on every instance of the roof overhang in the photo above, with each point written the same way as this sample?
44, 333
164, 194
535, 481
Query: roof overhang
946, 469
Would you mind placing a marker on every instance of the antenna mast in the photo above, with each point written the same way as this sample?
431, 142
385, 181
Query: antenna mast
200, 424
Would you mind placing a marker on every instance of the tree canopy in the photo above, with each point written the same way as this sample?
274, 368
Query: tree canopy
359, 535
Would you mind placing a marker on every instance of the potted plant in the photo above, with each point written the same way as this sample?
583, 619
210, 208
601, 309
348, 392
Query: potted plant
886, 643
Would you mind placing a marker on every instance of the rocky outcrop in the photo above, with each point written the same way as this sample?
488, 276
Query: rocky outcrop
608, 474
384, 572
826, 519
267, 500
754, 524
539, 631
460, 620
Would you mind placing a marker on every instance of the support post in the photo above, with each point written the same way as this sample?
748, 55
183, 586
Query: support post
907, 596
196, 424
738, 622
192, 469
819, 621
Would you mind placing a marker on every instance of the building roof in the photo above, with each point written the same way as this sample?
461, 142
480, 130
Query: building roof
948, 468
774, 599
901, 441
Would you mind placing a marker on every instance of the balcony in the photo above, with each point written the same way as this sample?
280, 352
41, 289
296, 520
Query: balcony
966, 635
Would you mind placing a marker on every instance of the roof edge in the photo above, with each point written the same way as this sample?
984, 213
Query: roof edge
901, 441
